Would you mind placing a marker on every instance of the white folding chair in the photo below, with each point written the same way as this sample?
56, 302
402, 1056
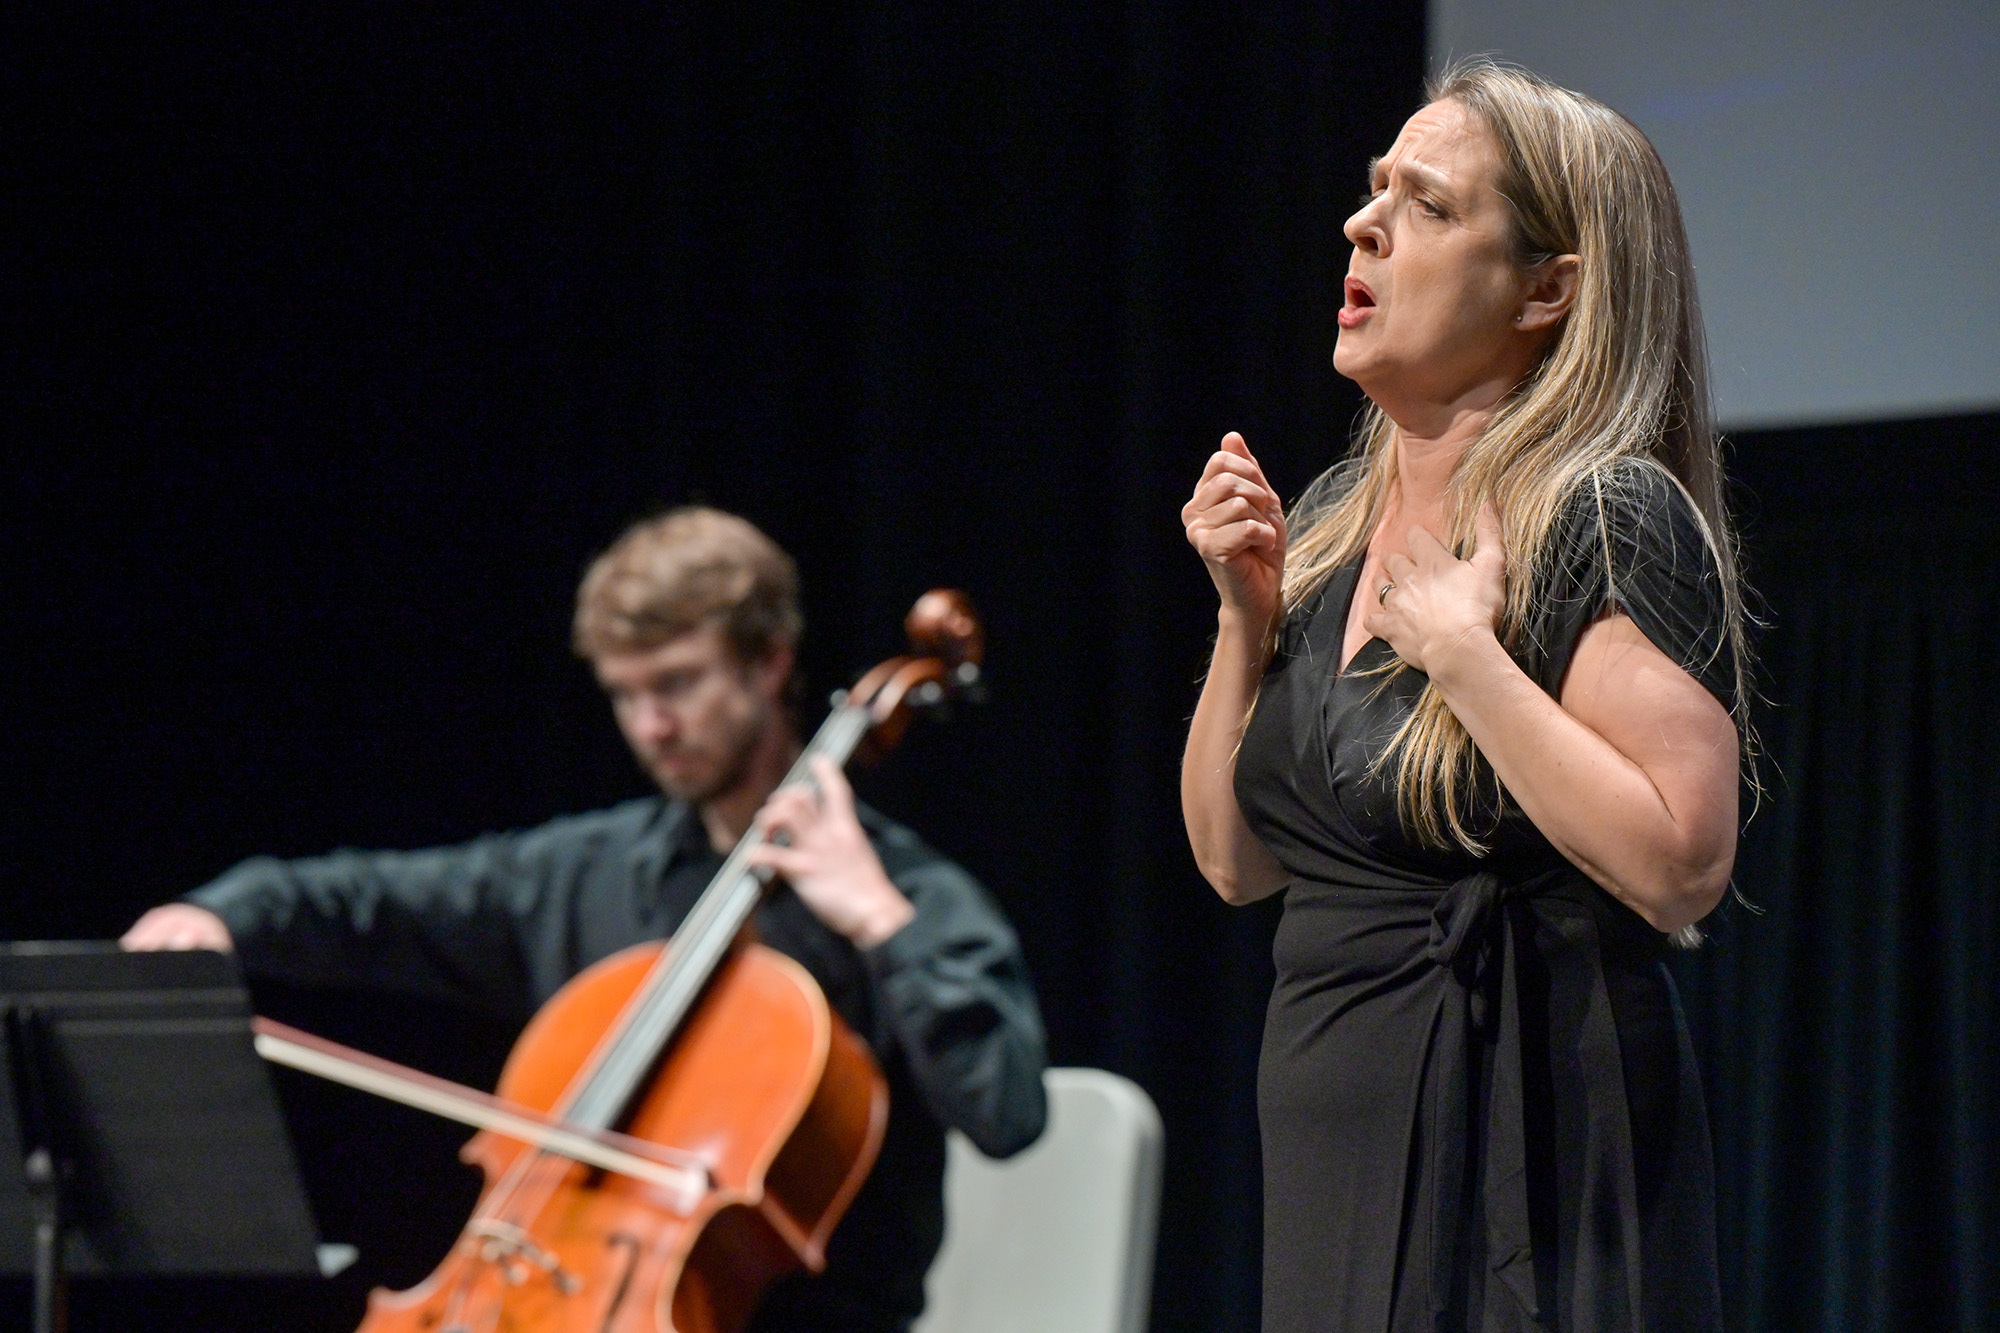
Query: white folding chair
1058, 1239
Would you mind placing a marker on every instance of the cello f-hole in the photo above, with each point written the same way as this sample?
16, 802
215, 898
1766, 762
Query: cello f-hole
626, 1241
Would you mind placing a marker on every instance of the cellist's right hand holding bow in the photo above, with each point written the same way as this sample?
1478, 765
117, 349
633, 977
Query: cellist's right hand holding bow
1236, 522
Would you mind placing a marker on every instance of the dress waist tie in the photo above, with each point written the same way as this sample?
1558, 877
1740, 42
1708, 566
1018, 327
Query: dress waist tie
1480, 930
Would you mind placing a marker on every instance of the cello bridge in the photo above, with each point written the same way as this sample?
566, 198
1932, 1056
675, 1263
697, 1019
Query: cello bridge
515, 1253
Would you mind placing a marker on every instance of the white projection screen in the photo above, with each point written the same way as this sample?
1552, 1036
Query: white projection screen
1839, 165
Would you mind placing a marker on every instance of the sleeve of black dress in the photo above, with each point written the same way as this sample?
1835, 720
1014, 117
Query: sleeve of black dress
953, 989
448, 922
1628, 539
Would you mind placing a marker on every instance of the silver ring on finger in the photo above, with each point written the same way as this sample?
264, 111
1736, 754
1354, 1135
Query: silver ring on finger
1382, 597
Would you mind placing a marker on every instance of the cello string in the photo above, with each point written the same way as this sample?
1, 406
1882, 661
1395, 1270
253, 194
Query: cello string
714, 921
718, 916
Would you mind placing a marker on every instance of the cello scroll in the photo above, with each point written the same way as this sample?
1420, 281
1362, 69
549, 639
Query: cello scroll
949, 647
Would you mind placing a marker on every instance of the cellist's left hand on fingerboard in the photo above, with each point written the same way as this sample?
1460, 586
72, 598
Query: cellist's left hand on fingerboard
814, 839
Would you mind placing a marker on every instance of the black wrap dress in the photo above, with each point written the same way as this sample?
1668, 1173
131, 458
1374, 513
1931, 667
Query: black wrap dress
1479, 1105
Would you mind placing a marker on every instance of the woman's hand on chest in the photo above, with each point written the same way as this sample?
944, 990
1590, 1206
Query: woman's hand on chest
1428, 605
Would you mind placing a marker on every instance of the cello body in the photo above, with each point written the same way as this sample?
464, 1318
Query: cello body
732, 1115
780, 1102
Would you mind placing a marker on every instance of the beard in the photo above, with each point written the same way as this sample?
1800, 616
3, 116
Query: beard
722, 765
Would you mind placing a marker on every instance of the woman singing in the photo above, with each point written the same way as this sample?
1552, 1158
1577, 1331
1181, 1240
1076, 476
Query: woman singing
1476, 706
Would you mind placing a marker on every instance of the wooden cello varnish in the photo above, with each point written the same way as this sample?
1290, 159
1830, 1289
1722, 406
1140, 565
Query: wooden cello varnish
761, 1085
764, 1082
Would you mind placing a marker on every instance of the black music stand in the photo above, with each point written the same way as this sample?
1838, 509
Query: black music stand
139, 1134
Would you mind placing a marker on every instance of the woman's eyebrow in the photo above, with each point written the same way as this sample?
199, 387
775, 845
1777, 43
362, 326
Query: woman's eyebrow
1421, 177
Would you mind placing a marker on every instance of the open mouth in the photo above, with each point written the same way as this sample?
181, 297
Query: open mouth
1359, 302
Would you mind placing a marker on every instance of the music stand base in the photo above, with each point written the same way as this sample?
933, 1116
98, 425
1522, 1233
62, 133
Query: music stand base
51, 1283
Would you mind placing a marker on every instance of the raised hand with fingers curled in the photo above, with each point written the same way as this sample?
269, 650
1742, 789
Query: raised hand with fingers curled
1236, 522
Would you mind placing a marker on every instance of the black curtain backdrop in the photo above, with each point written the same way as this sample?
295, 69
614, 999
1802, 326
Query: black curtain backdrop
1848, 1026
345, 334
340, 337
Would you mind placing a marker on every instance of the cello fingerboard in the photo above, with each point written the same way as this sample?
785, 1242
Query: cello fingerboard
625, 1059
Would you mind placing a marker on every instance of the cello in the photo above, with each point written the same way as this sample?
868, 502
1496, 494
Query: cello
683, 1121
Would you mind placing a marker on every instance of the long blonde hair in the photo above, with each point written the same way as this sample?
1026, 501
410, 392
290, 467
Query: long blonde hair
1625, 377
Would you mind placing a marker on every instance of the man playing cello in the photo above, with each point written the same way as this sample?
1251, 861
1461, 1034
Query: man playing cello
691, 623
